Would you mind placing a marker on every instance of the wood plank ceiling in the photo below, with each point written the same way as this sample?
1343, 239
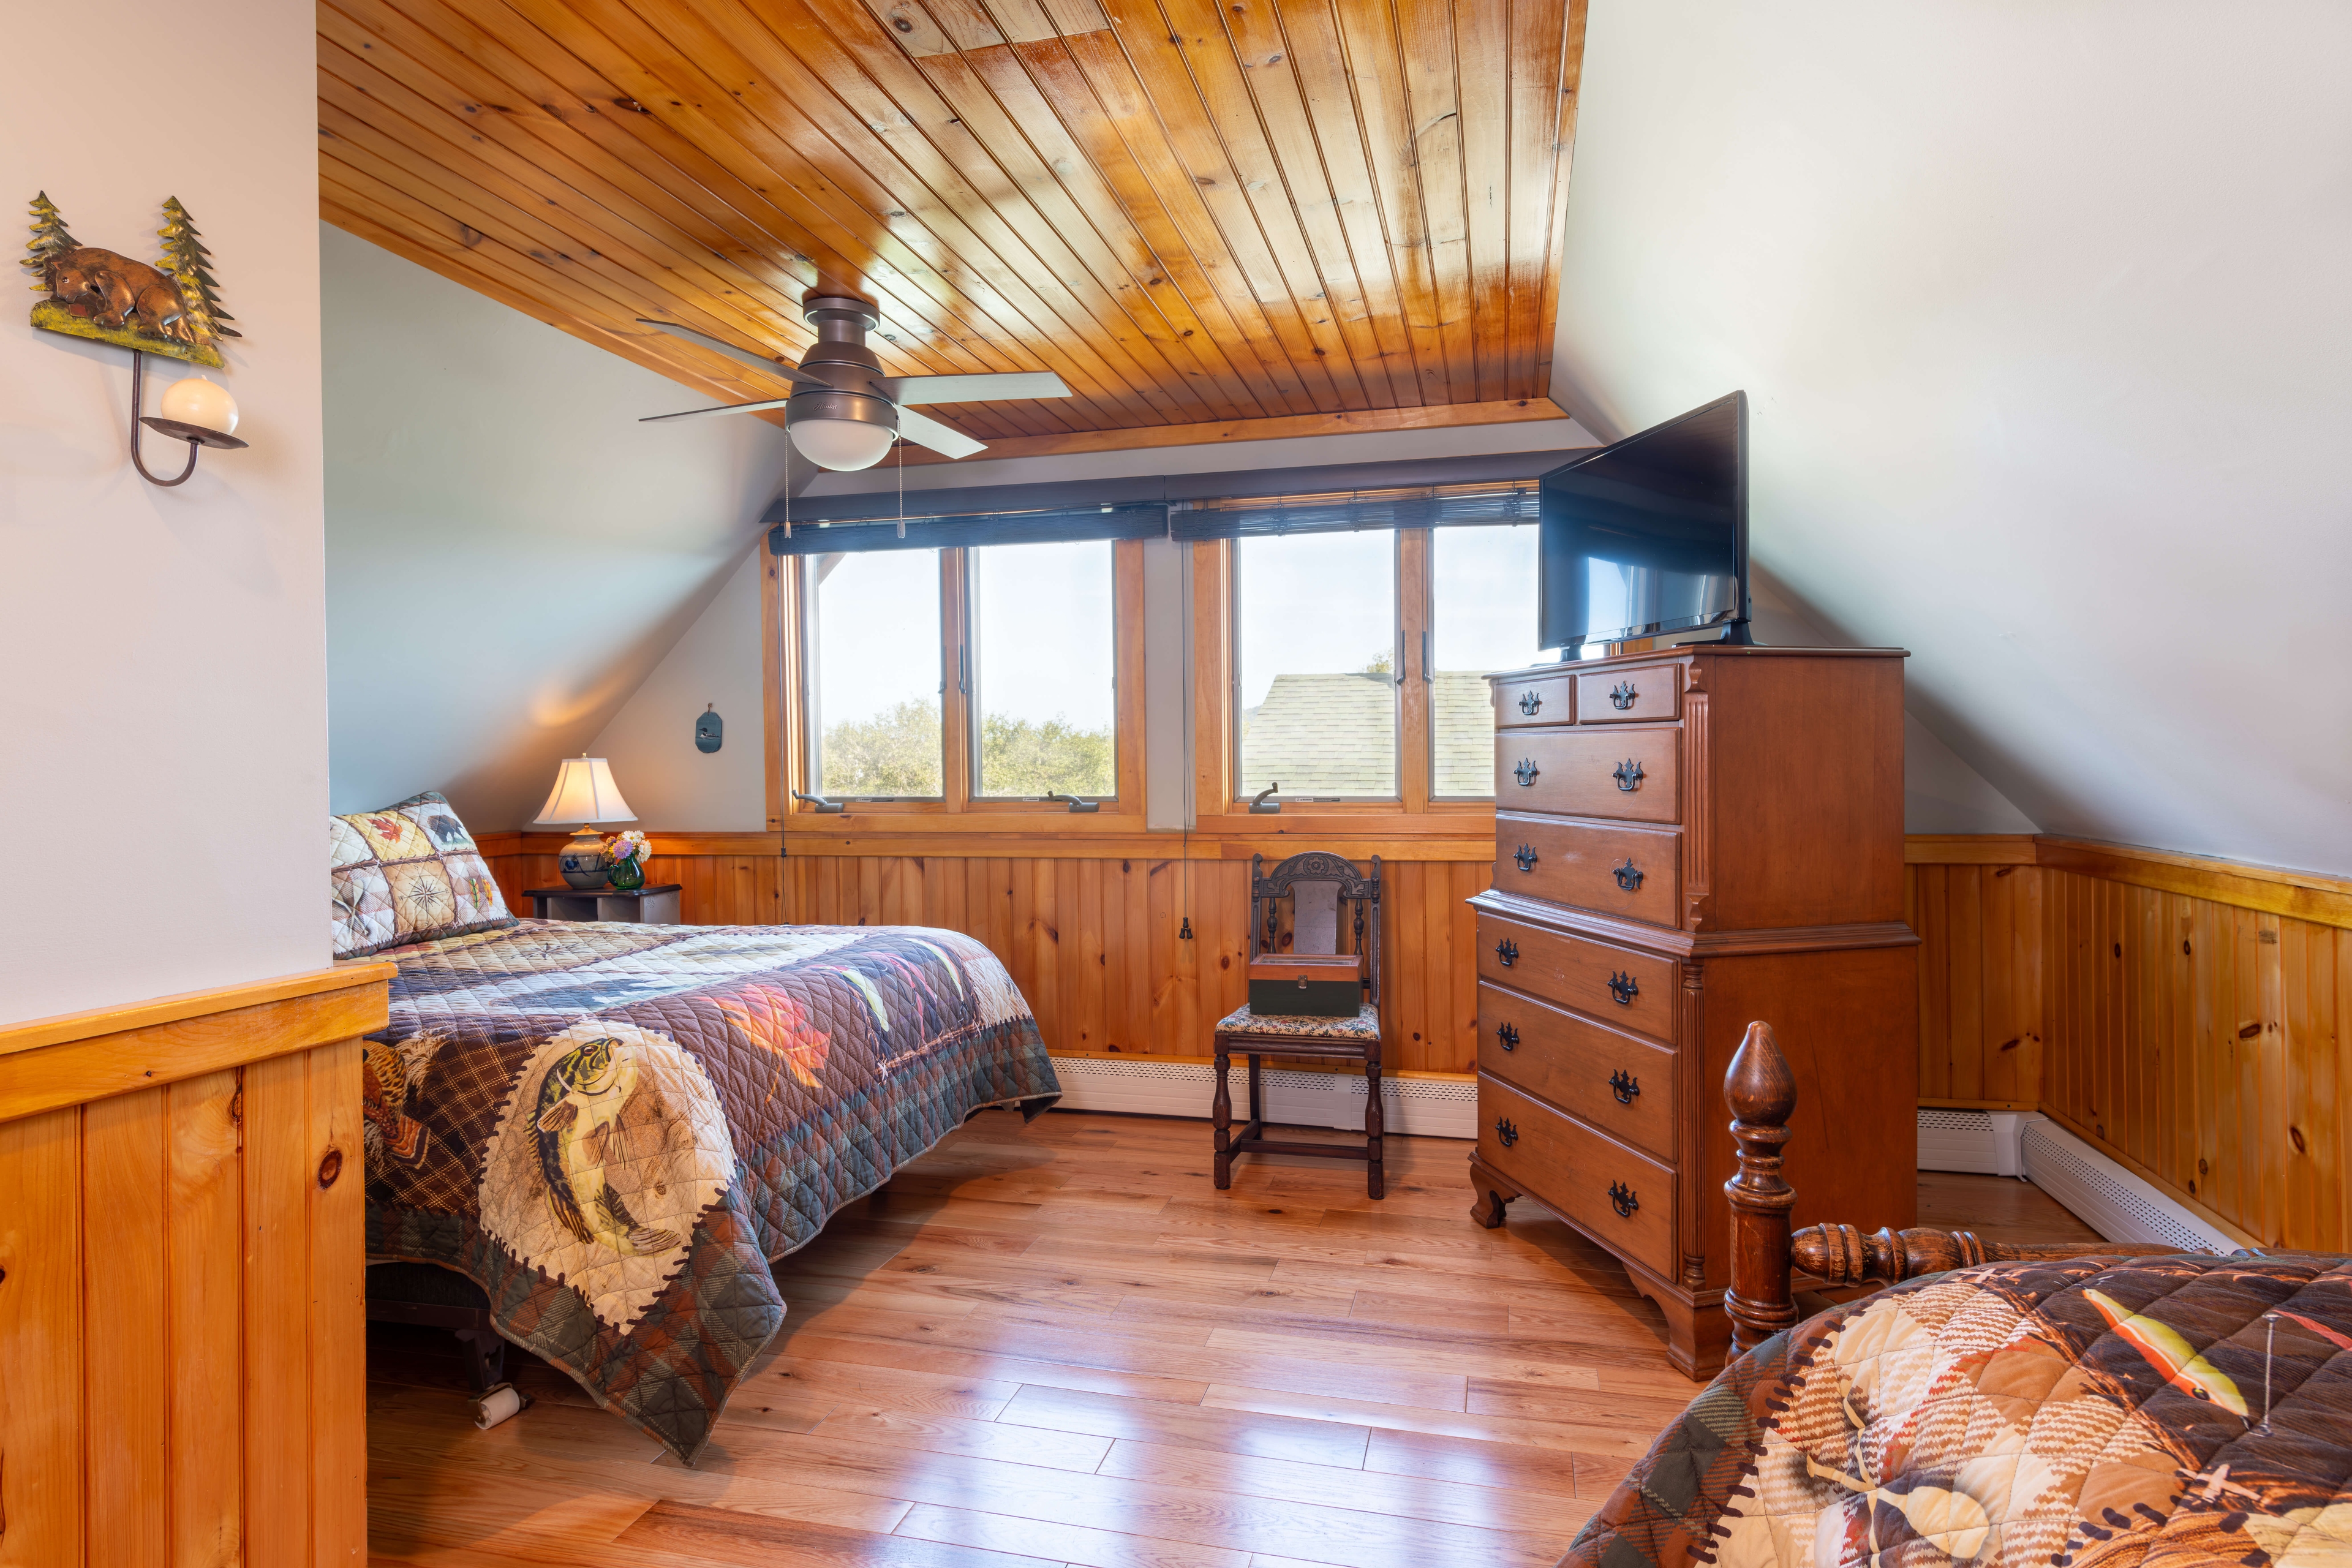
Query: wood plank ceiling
1306, 212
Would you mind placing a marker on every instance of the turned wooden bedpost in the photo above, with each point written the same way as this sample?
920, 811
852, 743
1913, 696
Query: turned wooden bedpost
1761, 1092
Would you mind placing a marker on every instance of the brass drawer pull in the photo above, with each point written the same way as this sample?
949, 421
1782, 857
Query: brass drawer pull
1621, 1199
1508, 1036
1623, 988
1525, 856
1529, 702
1507, 1132
1629, 875
1506, 952
1624, 1086
1526, 773
1628, 775
1623, 697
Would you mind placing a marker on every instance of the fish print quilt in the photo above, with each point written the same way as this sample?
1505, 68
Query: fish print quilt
2183, 1412
614, 1130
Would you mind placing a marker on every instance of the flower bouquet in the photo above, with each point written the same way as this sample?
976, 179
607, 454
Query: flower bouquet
625, 854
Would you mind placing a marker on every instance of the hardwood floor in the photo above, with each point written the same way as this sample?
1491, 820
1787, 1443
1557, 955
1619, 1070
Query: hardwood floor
1058, 1344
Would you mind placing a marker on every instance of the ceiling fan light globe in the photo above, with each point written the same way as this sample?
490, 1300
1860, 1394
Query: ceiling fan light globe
842, 445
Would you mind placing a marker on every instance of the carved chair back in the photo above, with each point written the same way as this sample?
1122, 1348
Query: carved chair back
1331, 908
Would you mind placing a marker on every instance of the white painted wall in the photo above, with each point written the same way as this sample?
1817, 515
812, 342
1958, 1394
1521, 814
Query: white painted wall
2041, 311
163, 712
650, 741
508, 553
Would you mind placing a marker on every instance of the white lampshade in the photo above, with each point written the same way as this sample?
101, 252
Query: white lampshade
841, 444
584, 792
192, 400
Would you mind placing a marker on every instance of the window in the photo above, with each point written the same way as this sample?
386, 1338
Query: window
1043, 661
1315, 665
874, 686
1481, 609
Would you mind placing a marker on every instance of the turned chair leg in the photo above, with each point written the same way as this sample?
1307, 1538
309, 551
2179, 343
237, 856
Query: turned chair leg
1373, 1181
1221, 1118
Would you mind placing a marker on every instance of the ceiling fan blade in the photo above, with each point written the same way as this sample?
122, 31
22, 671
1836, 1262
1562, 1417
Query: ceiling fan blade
926, 431
756, 360
722, 408
907, 390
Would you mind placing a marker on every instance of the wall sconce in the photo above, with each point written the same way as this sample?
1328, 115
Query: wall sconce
195, 410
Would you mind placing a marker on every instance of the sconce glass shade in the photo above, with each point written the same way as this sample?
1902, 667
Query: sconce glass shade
206, 403
584, 792
842, 445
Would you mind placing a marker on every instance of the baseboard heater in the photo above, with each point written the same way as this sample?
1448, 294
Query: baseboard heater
1418, 1107
2109, 1198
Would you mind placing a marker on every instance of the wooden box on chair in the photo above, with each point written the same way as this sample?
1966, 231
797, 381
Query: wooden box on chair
1684, 841
1306, 984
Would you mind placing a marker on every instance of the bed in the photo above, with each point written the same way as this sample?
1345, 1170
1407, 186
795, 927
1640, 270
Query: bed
2053, 1407
613, 1130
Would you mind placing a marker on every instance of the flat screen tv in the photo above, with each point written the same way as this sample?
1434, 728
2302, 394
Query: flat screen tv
1650, 535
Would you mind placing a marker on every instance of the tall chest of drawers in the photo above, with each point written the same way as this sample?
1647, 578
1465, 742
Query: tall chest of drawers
1686, 841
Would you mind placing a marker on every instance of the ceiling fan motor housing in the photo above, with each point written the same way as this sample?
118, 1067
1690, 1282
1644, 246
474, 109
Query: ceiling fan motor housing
840, 356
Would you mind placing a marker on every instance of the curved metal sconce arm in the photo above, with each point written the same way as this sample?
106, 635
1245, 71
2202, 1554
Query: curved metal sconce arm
195, 435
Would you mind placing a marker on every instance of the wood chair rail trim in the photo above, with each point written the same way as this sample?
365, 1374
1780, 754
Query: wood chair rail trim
35, 1033
98, 1064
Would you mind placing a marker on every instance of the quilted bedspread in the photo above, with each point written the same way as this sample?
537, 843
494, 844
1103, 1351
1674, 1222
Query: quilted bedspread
2089, 1414
614, 1130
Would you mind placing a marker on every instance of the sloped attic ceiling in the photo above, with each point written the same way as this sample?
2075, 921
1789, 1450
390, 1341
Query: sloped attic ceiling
508, 553
2044, 310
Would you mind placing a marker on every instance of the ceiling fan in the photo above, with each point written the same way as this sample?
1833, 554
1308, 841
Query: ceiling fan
844, 413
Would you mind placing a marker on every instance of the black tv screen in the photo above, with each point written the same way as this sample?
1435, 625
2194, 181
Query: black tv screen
1649, 535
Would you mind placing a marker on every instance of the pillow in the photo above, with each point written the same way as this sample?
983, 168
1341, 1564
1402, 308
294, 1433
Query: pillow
408, 873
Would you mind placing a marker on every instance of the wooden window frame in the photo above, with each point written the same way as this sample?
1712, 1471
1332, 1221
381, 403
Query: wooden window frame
1397, 594
957, 810
1219, 812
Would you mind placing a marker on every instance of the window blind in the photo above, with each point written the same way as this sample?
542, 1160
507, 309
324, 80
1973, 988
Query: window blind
1058, 526
1331, 512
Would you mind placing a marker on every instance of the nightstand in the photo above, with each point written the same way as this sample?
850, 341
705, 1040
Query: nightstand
649, 905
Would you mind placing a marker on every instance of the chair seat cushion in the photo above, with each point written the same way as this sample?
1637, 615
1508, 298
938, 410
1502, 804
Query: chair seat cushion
1364, 1025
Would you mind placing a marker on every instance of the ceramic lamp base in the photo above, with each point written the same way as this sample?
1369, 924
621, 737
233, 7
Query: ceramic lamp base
583, 860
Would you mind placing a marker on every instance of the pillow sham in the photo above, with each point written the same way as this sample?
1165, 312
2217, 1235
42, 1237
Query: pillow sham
407, 873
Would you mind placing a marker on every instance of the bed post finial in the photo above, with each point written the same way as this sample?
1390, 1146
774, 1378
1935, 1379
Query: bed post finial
1761, 1092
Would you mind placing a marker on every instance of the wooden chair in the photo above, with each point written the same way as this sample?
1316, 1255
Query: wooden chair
1762, 1093
1355, 920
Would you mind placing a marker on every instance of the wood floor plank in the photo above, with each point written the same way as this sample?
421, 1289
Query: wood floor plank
724, 1535
1439, 1502
1189, 1425
1575, 1436
1056, 1342
1073, 1544
1349, 1538
1027, 1445
1474, 1461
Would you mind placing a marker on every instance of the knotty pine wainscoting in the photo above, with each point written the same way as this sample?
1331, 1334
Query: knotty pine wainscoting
2187, 1017
182, 1333
1090, 929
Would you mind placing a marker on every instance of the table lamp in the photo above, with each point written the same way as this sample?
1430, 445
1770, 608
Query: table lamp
584, 793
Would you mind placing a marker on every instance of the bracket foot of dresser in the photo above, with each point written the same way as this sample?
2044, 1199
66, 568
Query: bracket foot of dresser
1493, 1194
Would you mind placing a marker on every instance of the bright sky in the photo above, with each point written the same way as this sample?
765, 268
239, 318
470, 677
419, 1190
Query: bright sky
1041, 638
1325, 603
1313, 603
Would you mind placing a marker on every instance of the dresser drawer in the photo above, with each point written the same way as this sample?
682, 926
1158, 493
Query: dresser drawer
1629, 774
1633, 872
1621, 1085
1624, 696
1632, 990
1538, 700
1620, 1196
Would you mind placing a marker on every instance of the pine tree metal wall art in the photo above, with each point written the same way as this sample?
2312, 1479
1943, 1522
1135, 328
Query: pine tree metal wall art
171, 307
